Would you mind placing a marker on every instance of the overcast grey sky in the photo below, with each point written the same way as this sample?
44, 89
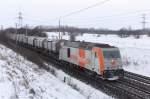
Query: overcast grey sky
113, 15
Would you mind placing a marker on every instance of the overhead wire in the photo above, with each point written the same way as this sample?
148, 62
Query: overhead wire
78, 11
84, 9
126, 14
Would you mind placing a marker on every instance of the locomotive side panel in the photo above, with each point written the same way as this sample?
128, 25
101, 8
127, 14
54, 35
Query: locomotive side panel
63, 53
85, 58
73, 55
80, 57
69, 54
88, 58
98, 60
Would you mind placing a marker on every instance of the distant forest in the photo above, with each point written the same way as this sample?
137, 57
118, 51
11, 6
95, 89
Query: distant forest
40, 31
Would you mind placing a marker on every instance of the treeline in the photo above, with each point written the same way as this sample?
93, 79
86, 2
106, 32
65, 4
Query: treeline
29, 31
122, 32
40, 31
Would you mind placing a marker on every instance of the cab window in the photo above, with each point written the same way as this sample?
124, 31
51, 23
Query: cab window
111, 54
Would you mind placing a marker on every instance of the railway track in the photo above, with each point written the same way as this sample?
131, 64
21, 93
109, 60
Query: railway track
139, 82
132, 86
137, 77
136, 88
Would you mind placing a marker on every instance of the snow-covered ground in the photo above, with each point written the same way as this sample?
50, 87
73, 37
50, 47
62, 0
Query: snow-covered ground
55, 35
135, 52
21, 79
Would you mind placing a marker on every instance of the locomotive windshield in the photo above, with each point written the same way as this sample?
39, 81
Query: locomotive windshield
111, 54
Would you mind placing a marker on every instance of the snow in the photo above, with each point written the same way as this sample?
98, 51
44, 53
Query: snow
21, 79
85, 89
55, 35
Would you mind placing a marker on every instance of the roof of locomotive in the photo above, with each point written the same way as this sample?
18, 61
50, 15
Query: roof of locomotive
86, 45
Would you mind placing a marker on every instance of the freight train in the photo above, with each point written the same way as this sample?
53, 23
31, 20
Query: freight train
101, 59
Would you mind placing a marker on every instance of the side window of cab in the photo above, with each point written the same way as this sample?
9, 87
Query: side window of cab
95, 54
68, 52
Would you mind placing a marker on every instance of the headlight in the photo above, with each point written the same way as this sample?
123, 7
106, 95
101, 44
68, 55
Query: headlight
113, 62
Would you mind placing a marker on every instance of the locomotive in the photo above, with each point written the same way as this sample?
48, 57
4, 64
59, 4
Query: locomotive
102, 59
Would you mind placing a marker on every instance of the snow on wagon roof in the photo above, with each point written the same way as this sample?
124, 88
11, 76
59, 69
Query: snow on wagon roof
86, 45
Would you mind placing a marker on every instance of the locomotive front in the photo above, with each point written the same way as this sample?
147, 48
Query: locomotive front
113, 64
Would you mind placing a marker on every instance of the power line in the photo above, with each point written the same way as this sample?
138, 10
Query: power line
77, 11
124, 15
94, 5
84, 9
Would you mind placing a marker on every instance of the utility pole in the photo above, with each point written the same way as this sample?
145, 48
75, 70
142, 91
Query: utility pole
20, 19
59, 30
143, 22
1, 27
16, 26
26, 30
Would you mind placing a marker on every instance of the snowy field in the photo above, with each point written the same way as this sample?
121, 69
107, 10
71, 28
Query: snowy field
135, 52
21, 79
